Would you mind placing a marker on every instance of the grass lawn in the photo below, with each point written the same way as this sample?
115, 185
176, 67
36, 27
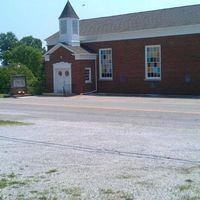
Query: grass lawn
3, 95
12, 123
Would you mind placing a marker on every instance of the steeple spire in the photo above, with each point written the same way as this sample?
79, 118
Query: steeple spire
69, 26
68, 12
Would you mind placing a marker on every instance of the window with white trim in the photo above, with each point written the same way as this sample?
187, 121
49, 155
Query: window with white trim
88, 75
105, 64
75, 27
153, 62
63, 27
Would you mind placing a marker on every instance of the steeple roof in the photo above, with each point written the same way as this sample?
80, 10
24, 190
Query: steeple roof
68, 12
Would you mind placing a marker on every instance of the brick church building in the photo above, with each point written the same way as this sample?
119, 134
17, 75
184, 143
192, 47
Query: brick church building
154, 52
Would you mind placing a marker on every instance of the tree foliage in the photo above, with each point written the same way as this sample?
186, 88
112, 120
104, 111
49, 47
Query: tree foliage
26, 55
33, 42
7, 42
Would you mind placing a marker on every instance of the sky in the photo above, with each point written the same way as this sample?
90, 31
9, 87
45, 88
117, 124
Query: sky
39, 18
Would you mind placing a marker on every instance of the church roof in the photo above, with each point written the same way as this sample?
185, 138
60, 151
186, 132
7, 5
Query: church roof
180, 16
77, 49
68, 12
171, 17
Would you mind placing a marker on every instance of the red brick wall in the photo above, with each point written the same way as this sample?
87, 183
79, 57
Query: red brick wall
180, 57
78, 82
79, 79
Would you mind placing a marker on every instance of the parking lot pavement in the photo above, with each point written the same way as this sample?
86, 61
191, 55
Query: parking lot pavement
100, 147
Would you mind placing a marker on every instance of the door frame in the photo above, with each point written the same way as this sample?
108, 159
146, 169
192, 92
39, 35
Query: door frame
62, 65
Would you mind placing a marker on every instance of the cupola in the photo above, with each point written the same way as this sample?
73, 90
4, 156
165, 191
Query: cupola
69, 26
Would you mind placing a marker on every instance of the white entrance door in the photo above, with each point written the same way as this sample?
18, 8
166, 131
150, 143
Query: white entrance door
62, 78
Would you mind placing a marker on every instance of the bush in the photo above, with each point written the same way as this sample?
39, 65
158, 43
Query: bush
4, 80
33, 83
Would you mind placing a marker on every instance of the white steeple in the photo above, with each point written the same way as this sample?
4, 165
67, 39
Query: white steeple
69, 26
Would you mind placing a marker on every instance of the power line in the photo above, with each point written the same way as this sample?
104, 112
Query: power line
98, 150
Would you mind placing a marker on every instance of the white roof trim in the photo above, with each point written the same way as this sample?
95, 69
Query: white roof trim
78, 56
56, 47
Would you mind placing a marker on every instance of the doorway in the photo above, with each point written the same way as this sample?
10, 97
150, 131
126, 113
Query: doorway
62, 78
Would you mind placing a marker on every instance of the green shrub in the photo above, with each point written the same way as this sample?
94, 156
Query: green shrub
34, 84
4, 80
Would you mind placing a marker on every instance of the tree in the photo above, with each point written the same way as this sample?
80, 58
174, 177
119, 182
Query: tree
26, 52
7, 42
33, 42
27, 55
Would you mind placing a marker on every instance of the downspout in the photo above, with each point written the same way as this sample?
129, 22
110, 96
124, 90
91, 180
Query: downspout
96, 77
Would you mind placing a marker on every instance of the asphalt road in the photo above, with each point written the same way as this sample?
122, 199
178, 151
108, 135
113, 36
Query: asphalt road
104, 143
185, 112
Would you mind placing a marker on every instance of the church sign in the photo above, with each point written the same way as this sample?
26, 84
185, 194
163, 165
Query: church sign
18, 84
